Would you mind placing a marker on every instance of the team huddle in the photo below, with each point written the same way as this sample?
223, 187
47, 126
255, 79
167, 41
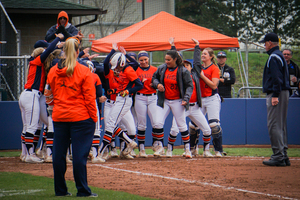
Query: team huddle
130, 89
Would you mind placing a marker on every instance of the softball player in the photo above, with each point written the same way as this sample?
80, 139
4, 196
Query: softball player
145, 101
194, 112
32, 101
175, 87
126, 78
211, 102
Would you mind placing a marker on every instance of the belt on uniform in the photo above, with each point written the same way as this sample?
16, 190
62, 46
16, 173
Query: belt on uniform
122, 96
146, 94
110, 101
193, 104
30, 90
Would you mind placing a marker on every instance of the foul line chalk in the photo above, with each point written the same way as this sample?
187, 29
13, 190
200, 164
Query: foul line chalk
193, 181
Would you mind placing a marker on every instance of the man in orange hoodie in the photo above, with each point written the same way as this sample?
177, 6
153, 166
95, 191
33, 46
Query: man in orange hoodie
63, 26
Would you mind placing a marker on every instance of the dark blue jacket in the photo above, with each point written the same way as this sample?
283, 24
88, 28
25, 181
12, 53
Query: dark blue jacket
276, 74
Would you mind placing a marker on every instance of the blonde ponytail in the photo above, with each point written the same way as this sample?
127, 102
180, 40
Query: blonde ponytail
70, 49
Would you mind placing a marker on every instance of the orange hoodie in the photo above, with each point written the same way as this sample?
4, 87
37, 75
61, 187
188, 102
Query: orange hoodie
74, 97
62, 14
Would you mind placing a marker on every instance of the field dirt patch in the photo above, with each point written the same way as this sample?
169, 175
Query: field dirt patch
179, 178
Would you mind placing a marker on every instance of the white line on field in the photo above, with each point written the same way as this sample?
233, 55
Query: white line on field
194, 181
4, 193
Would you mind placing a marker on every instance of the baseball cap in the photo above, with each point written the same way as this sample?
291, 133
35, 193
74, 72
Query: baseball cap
221, 54
270, 37
187, 61
41, 43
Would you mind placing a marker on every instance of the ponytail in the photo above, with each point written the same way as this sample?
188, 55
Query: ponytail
71, 48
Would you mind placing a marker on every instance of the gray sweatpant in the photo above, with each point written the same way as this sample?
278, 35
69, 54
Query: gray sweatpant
277, 125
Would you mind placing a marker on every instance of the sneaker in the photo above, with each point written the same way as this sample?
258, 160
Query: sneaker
169, 154
159, 150
129, 147
32, 158
98, 159
114, 153
127, 156
183, 154
142, 154
132, 153
207, 154
218, 154
93, 195
40, 153
48, 159
188, 154
287, 162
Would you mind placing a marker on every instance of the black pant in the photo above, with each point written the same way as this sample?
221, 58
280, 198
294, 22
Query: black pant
81, 134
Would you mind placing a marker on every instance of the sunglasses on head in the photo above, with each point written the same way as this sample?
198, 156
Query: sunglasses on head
62, 18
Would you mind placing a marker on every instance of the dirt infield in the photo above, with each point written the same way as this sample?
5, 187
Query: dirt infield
180, 178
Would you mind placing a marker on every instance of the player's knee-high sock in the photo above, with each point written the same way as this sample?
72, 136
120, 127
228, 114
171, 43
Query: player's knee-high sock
23, 145
123, 135
186, 139
141, 136
106, 140
43, 141
29, 142
95, 145
49, 143
36, 138
171, 141
206, 142
158, 136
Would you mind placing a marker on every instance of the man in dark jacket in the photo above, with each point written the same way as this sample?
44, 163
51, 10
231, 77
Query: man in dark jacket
63, 26
227, 77
294, 71
276, 85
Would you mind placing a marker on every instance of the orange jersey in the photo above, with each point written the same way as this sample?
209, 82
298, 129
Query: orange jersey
125, 77
147, 76
113, 83
74, 96
171, 87
36, 75
96, 79
194, 97
210, 72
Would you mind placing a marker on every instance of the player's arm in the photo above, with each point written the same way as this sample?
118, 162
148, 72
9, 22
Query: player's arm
197, 57
107, 59
51, 47
213, 84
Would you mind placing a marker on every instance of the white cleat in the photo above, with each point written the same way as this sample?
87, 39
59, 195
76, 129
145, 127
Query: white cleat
105, 155
98, 159
22, 157
133, 154
218, 154
127, 156
207, 154
129, 147
195, 152
32, 158
142, 154
48, 159
188, 154
169, 154
114, 153
158, 151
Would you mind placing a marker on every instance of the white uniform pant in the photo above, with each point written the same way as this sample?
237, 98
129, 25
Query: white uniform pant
146, 105
212, 107
98, 123
195, 114
33, 110
118, 112
178, 112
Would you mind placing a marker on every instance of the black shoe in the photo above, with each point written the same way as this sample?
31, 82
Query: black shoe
272, 162
287, 162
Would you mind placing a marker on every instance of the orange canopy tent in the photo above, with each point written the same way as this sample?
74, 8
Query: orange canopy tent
153, 33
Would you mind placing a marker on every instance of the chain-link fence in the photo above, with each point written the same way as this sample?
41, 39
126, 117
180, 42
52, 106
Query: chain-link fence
11, 68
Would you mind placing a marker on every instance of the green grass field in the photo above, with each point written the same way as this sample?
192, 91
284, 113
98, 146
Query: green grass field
23, 186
